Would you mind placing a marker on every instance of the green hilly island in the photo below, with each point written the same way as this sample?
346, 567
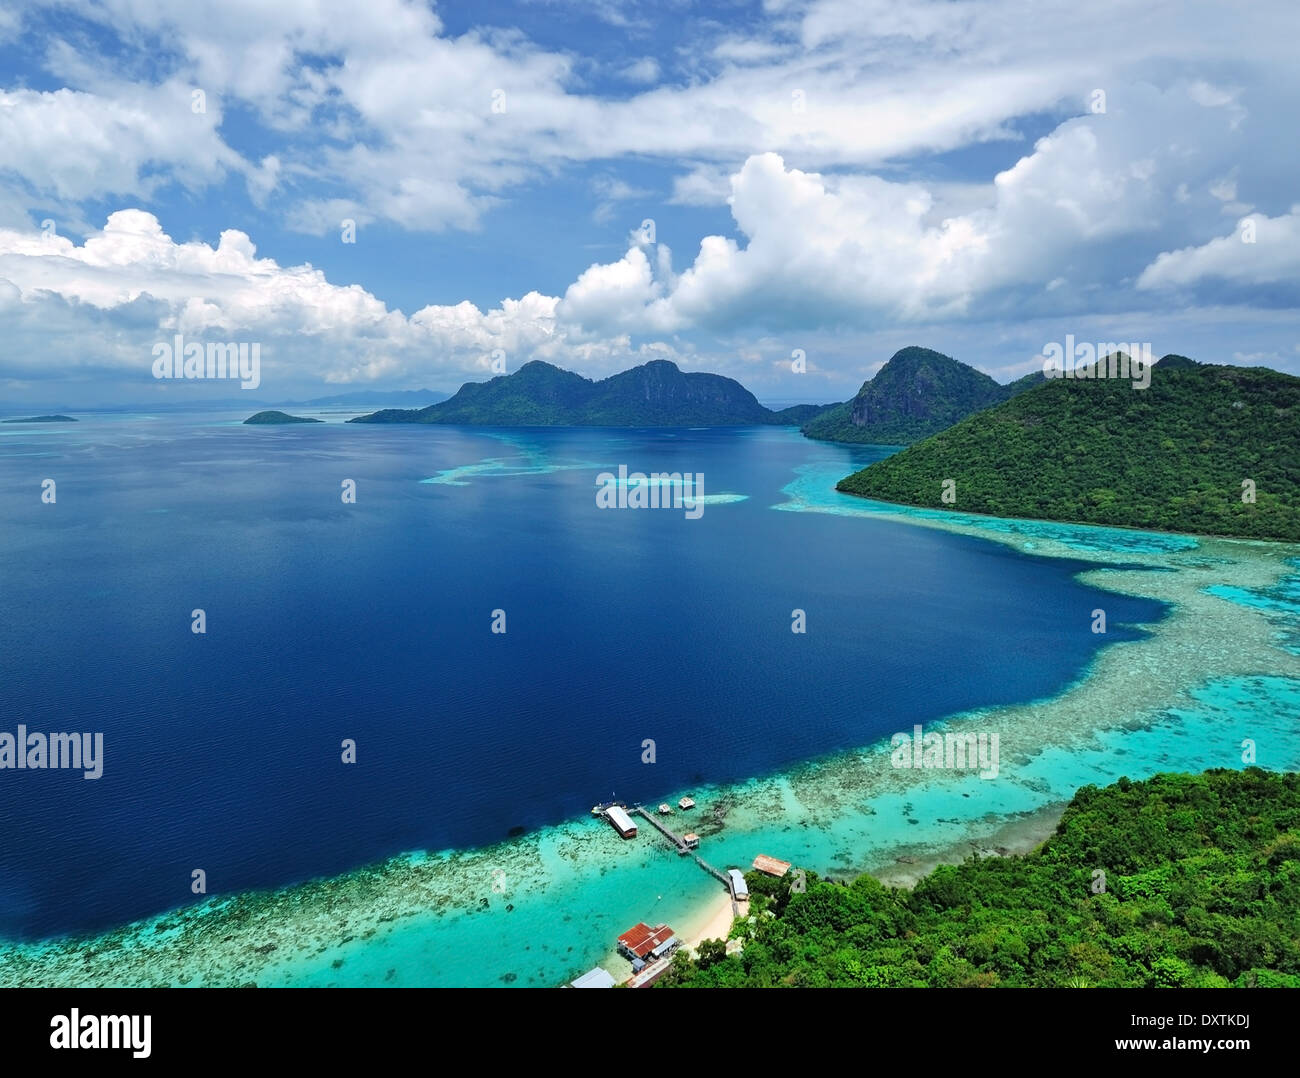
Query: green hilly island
655, 394
1171, 457
918, 392
1201, 888
274, 418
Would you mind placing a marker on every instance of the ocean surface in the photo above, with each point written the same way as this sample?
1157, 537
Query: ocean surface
373, 621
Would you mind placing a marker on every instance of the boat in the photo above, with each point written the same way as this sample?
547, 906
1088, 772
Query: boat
686, 803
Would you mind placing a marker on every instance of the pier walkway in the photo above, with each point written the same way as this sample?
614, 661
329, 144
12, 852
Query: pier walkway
680, 843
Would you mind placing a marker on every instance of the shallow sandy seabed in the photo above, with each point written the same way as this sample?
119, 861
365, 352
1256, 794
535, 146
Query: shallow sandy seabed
1222, 667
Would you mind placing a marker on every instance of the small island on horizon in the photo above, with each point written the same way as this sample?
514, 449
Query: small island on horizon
274, 418
42, 419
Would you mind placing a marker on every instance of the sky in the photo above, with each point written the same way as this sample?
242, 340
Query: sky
403, 195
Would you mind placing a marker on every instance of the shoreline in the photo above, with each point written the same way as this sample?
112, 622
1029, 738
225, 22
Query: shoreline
1131, 528
842, 815
1013, 838
718, 919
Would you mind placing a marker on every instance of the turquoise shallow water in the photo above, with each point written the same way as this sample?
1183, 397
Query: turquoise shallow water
1282, 599
563, 927
542, 908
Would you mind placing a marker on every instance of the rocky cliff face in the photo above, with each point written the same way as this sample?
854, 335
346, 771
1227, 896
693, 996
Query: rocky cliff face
921, 388
919, 392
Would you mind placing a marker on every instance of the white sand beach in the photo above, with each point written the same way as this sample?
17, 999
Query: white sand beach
713, 922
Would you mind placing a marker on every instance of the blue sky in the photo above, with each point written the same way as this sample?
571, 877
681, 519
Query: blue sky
843, 177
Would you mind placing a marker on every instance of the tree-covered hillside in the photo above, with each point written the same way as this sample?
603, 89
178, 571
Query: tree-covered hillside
917, 393
1211, 450
1201, 888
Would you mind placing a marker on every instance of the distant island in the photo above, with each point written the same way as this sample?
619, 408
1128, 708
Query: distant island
917, 393
655, 394
1204, 449
44, 419
1198, 891
355, 400
273, 418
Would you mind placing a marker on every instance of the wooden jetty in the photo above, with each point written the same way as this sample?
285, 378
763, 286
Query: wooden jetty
682, 847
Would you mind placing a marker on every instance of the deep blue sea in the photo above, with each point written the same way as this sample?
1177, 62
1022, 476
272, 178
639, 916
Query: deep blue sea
372, 621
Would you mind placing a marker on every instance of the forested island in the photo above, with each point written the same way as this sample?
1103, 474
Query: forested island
1204, 449
273, 418
1176, 881
655, 394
